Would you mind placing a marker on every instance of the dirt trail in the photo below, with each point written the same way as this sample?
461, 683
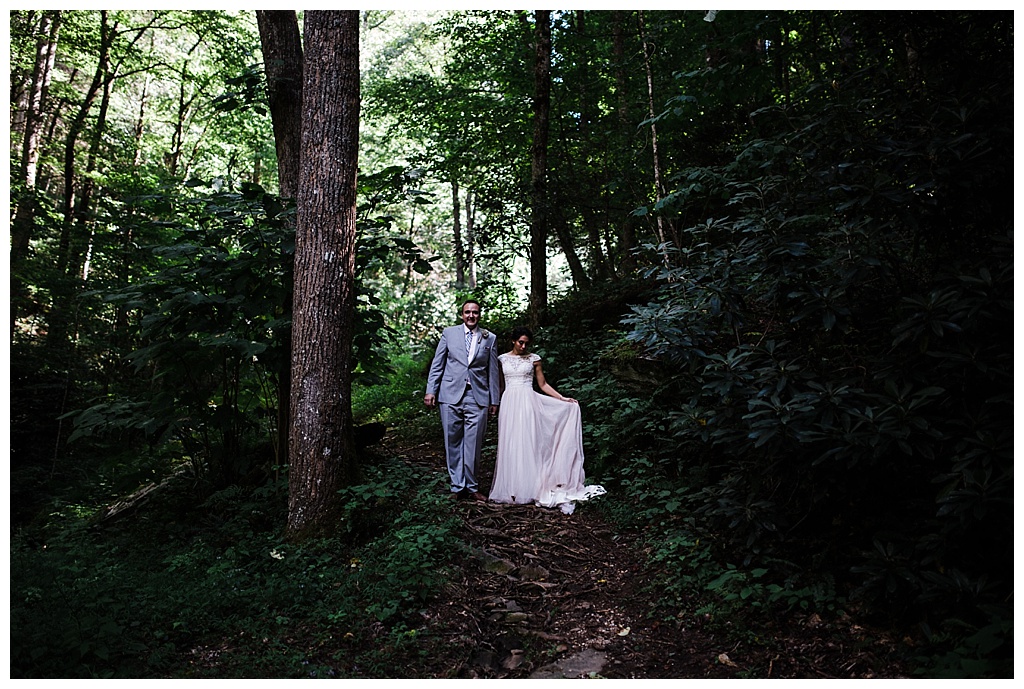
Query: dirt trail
544, 595
547, 595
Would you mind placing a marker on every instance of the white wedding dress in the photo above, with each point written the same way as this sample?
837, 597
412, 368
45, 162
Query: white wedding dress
540, 444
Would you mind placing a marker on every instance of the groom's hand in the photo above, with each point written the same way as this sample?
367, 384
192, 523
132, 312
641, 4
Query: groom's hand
493, 409
429, 400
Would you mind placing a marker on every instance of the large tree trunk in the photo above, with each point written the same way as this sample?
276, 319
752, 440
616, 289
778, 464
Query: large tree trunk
538, 173
321, 448
282, 58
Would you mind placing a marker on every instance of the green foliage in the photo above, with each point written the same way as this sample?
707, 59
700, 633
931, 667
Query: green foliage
398, 401
808, 405
216, 315
835, 356
150, 598
212, 318
971, 650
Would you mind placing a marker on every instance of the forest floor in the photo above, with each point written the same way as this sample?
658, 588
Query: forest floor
539, 594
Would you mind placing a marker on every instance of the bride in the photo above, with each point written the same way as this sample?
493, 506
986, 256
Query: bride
540, 437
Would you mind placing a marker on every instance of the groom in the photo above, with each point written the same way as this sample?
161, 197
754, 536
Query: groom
463, 379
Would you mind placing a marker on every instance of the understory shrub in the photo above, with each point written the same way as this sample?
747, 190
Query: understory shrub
832, 346
177, 584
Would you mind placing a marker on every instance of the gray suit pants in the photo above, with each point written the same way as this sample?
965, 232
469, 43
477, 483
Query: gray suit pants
465, 425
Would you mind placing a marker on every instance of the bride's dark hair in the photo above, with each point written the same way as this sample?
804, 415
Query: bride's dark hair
519, 331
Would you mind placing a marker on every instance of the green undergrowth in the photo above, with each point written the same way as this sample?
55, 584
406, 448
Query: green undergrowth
398, 401
175, 591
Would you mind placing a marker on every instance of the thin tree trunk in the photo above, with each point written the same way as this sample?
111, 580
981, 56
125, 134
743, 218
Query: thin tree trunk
282, 57
626, 239
407, 282
71, 142
83, 257
173, 157
659, 187
470, 240
22, 22
576, 269
84, 205
619, 53
590, 223
185, 100
140, 123
46, 52
322, 458
24, 215
538, 173
460, 252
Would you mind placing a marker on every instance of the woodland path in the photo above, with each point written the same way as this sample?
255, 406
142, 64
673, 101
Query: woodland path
539, 594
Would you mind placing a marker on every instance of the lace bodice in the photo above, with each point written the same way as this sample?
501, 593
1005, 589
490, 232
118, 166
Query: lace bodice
518, 370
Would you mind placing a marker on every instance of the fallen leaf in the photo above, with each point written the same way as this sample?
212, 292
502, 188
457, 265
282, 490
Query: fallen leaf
624, 631
724, 659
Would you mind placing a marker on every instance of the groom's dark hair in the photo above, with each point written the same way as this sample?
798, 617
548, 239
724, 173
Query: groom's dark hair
470, 301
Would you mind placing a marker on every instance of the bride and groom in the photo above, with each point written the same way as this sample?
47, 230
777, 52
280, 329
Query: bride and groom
540, 436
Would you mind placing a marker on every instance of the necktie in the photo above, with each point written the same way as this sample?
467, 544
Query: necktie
469, 341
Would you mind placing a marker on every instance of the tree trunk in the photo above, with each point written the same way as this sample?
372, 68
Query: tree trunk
77, 263
282, 58
627, 239
75, 130
538, 173
60, 318
460, 251
24, 217
23, 22
619, 53
172, 159
140, 123
659, 187
590, 222
564, 233
46, 52
321, 447
409, 263
470, 241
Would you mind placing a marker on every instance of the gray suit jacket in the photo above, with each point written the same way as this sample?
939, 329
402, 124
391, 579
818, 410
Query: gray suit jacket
449, 369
